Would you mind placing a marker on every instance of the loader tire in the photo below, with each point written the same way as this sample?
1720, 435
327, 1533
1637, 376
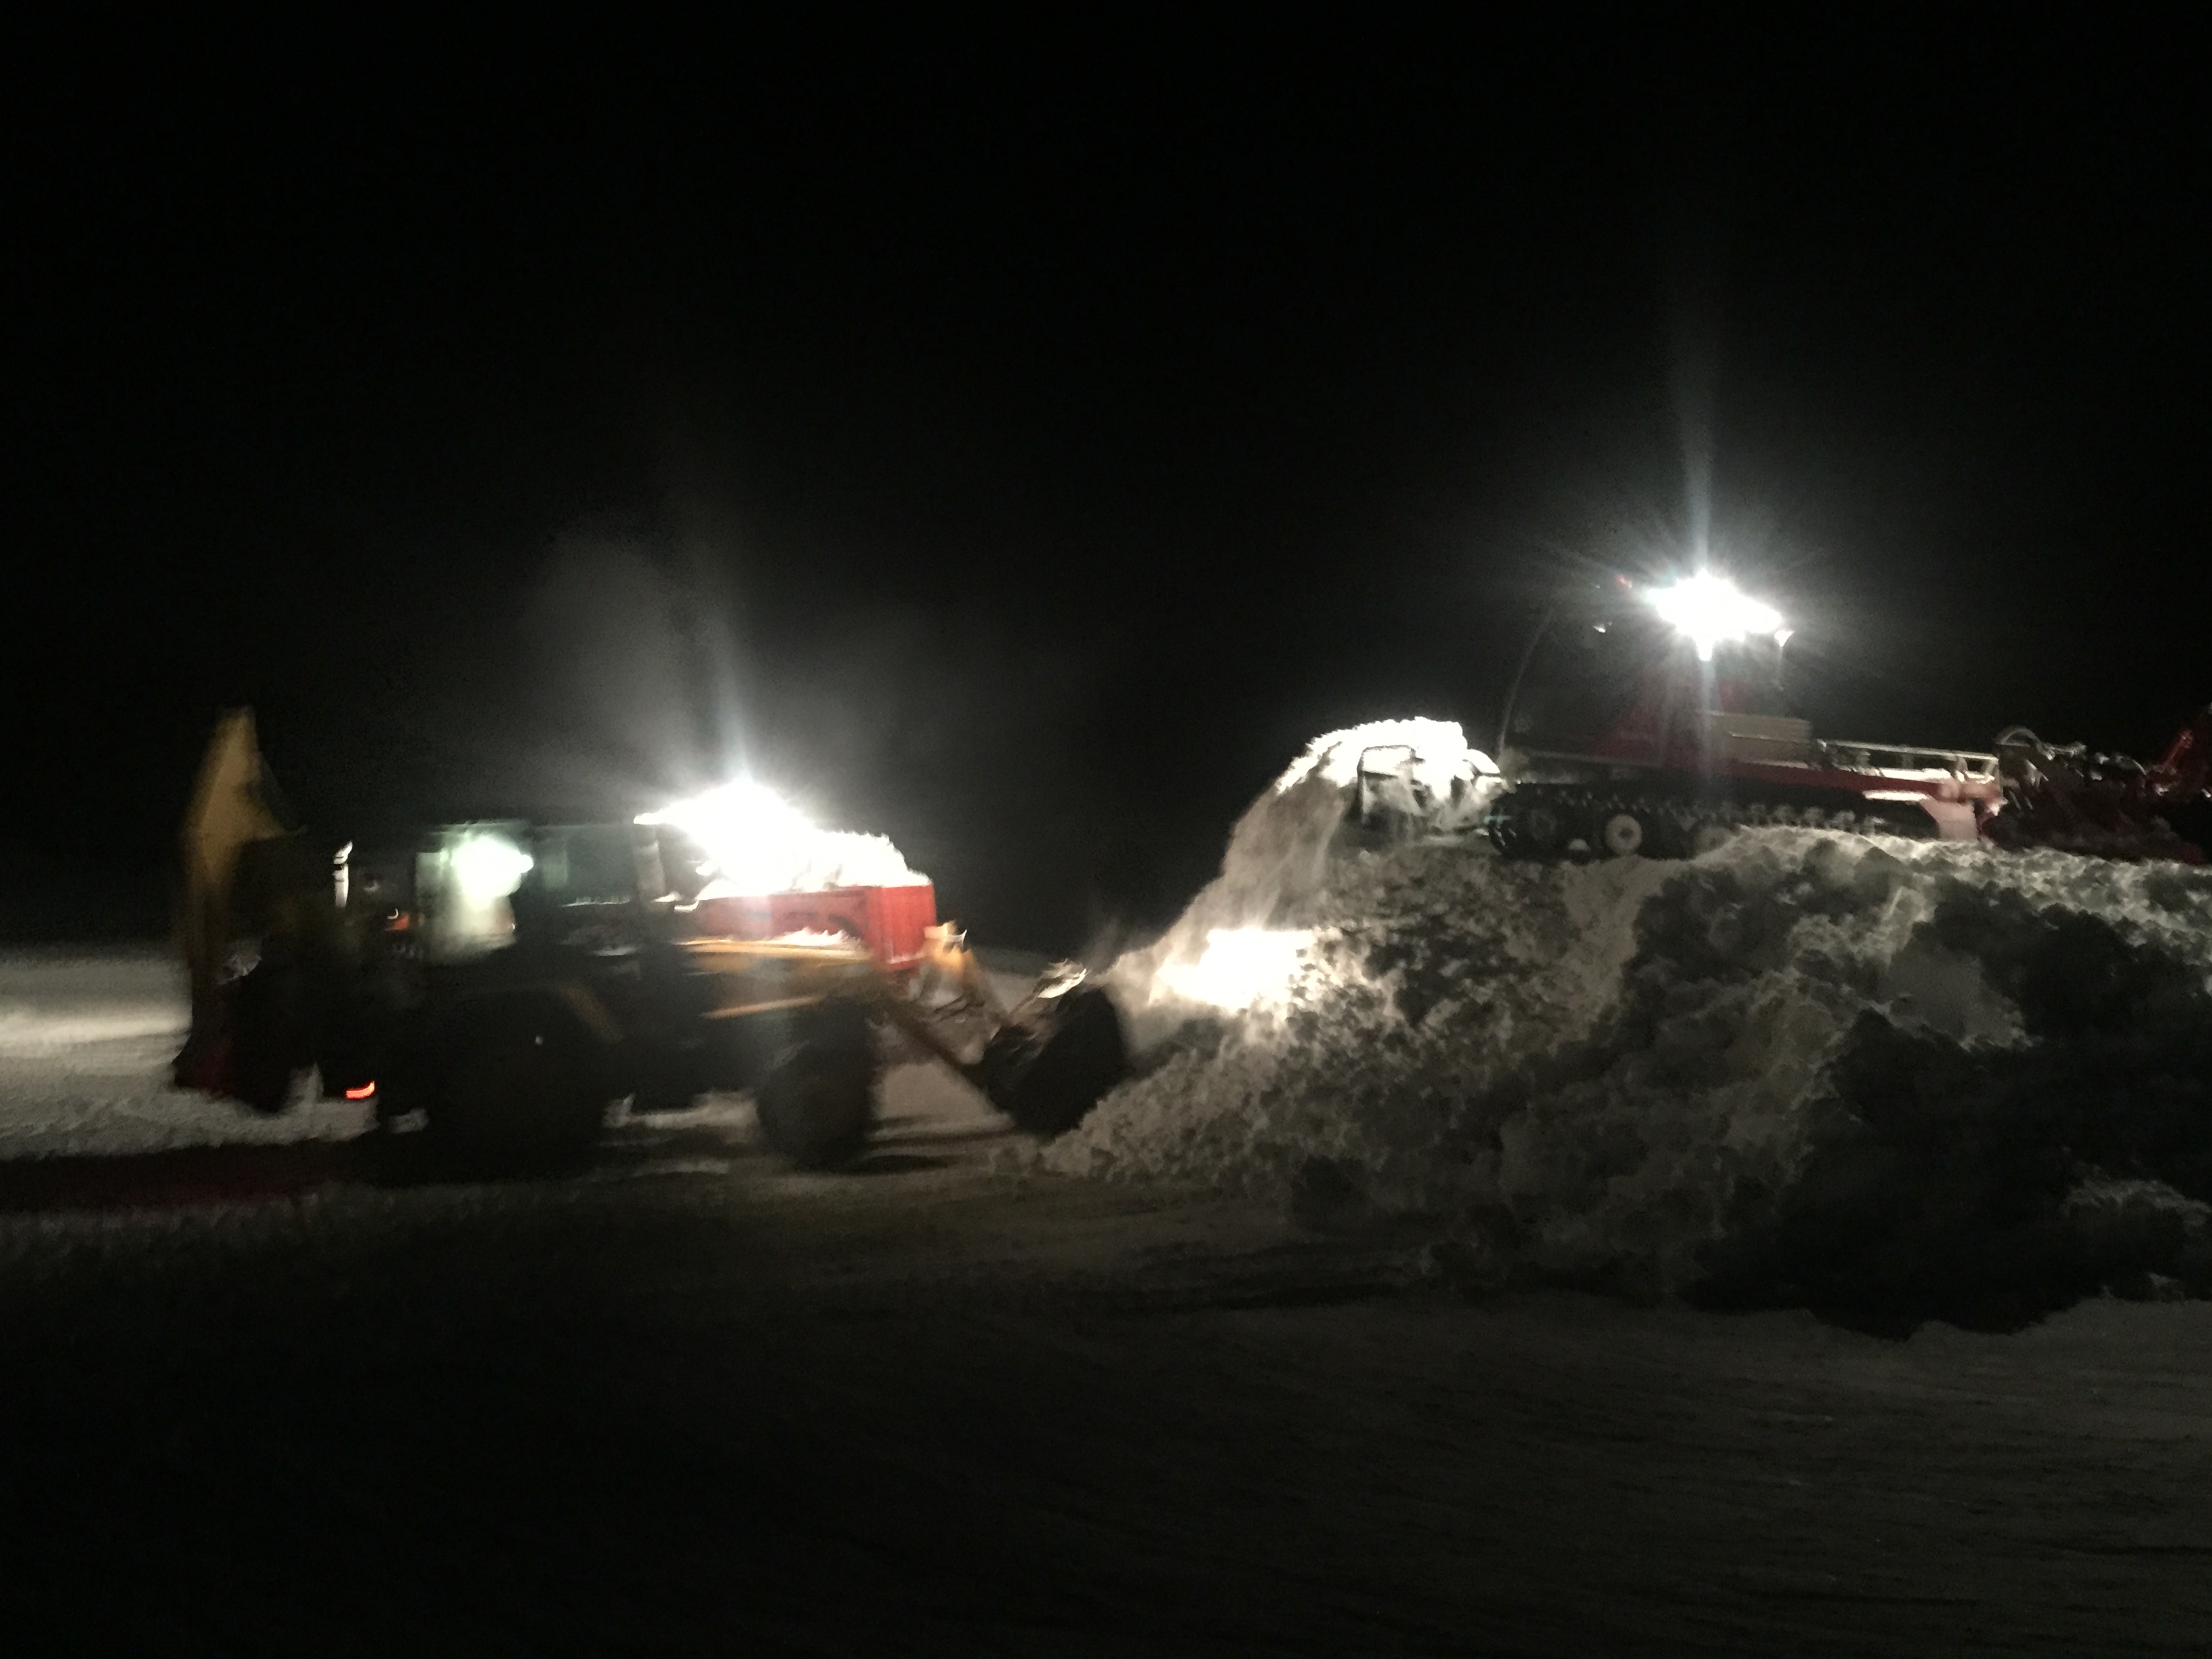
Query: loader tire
1047, 1076
520, 1091
817, 1106
265, 1019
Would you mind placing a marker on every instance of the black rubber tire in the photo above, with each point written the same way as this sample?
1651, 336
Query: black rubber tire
1048, 1073
1623, 834
521, 1090
817, 1106
265, 1039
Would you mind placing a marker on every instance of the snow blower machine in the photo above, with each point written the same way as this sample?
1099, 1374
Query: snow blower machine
499, 985
1654, 721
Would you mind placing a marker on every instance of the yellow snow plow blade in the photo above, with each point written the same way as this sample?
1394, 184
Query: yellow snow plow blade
229, 812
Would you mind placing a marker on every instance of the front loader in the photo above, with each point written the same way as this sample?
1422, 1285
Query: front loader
497, 986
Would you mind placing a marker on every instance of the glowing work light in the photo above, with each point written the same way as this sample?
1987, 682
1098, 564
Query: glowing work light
756, 838
1710, 610
487, 866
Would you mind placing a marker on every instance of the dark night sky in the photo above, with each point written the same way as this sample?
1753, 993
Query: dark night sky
1023, 447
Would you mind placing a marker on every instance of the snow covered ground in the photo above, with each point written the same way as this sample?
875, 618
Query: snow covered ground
947, 1403
86, 1038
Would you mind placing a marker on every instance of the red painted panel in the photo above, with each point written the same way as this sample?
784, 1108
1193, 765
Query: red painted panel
889, 920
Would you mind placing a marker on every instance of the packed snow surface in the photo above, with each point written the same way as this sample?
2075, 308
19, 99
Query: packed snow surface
1893, 1078
86, 1039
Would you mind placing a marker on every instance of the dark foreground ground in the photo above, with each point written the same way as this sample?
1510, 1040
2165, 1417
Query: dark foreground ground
254, 1401
930, 1409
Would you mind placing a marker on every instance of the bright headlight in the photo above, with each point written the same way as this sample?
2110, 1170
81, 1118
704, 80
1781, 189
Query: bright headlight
1710, 610
487, 866
756, 838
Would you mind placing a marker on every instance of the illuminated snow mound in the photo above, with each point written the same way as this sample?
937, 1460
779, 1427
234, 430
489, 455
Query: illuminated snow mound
1239, 943
1892, 1079
1440, 754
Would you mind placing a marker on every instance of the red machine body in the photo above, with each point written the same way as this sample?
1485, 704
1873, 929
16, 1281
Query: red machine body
1623, 739
1719, 739
890, 921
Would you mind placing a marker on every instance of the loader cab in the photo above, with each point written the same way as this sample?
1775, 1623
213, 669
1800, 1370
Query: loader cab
1605, 679
477, 886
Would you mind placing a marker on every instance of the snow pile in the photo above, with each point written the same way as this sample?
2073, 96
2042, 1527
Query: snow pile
1889, 1079
1439, 758
1238, 943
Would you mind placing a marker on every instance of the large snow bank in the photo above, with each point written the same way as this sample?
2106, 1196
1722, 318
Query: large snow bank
1890, 1078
